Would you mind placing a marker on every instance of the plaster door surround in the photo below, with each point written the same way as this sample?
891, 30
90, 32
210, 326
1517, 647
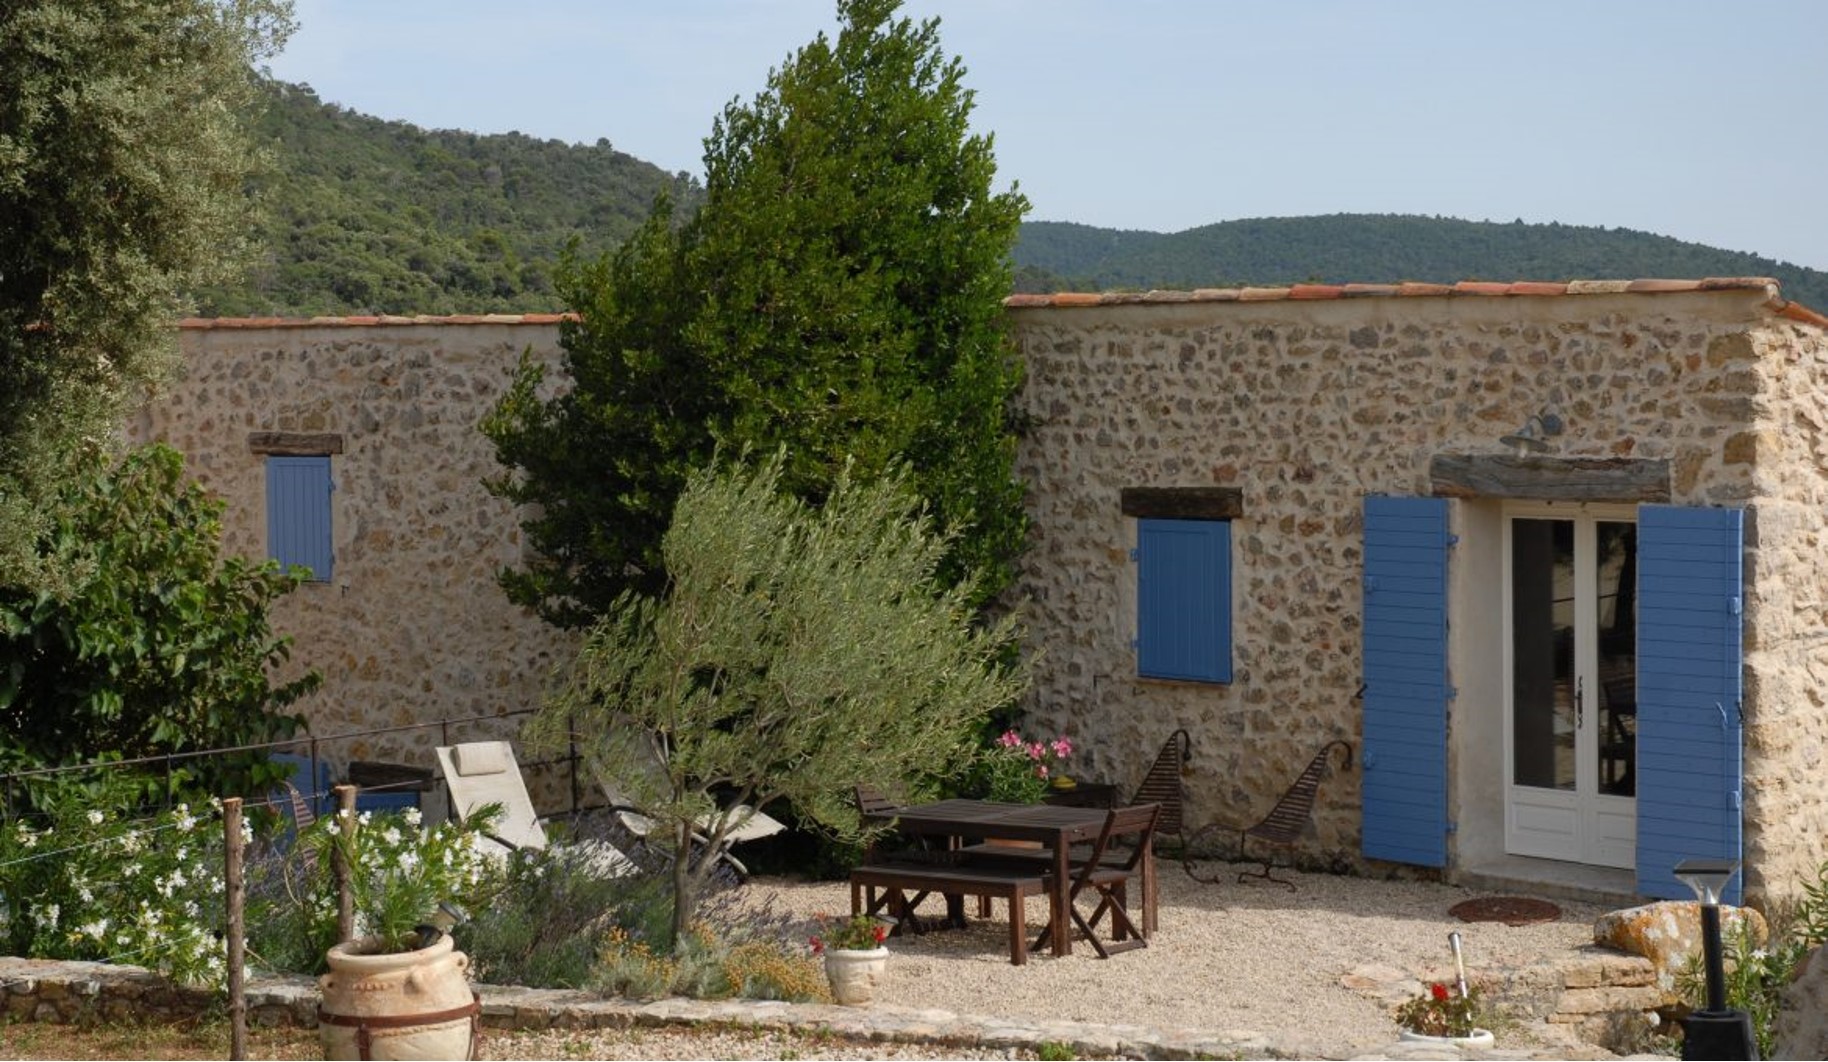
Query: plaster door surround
1570, 660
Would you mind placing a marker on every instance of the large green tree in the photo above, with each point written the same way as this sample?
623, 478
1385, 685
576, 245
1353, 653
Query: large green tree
123, 170
838, 293
796, 653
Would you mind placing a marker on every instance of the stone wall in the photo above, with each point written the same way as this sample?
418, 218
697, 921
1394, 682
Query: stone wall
1308, 407
1786, 704
413, 627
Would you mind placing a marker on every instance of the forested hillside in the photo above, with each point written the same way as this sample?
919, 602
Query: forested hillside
1375, 248
372, 216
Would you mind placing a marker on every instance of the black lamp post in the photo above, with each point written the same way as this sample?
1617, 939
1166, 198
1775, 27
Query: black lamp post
1716, 1032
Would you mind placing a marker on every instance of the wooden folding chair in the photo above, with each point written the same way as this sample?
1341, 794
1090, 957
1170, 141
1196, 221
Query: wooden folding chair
1111, 880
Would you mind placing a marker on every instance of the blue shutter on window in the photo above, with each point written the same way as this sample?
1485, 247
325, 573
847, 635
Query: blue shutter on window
1405, 662
298, 513
1183, 621
1689, 663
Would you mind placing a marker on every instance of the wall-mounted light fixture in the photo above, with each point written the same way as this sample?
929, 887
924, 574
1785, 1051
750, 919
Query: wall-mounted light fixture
1529, 439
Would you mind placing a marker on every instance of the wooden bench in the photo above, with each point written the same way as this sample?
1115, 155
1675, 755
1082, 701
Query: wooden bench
896, 880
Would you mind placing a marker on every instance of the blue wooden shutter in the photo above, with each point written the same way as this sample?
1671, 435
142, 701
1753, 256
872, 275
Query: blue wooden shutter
1183, 621
298, 513
1689, 663
1405, 661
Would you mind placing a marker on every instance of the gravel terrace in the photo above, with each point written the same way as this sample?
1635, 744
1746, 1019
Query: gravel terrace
1227, 956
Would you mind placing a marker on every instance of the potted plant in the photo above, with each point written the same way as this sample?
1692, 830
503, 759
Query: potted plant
1015, 770
1440, 1015
400, 989
856, 956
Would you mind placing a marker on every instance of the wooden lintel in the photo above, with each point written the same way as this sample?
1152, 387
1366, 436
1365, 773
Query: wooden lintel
1183, 503
295, 443
1596, 479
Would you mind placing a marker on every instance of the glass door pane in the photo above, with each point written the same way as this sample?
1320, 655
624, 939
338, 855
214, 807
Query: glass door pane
1616, 593
1542, 654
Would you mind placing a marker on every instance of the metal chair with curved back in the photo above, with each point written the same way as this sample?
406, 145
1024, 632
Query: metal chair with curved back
1162, 785
1289, 818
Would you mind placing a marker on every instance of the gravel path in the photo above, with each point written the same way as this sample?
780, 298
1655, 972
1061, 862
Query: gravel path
1227, 956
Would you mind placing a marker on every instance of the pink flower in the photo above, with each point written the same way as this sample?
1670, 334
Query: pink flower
1010, 739
1062, 748
1037, 751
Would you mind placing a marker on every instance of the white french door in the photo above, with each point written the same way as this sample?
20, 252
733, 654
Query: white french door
1570, 662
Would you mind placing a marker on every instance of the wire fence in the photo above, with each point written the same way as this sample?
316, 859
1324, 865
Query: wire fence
332, 759
326, 774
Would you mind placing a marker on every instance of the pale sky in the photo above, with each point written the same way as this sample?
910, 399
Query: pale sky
1697, 119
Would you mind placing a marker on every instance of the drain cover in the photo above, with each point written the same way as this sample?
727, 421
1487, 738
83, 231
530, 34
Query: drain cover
1511, 910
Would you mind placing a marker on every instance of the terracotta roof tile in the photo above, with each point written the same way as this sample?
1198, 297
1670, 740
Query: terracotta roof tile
388, 320
1413, 289
1775, 301
1653, 285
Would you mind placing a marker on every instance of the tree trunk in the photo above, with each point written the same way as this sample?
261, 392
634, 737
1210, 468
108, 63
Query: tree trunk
685, 885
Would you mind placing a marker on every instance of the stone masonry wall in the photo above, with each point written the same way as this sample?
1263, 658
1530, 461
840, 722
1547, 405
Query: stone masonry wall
413, 626
1786, 704
1308, 408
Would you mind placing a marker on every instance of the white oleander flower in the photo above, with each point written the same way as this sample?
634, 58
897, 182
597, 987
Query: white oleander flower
95, 817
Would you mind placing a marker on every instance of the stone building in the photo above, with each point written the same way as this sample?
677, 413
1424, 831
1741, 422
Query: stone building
1550, 556
351, 445
1546, 555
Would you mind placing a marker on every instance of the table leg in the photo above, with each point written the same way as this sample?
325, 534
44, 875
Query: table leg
1148, 888
1059, 900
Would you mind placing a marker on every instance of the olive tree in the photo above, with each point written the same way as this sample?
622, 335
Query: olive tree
838, 293
795, 652
124, 160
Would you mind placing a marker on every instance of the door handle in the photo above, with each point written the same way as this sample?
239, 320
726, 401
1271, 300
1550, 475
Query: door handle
1580, 711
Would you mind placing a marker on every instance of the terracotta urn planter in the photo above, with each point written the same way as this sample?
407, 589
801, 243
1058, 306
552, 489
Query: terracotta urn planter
854, 974
397, 1004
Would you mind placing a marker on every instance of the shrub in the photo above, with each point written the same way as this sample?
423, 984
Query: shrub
155, 643
546, 913
92, 881
400, 873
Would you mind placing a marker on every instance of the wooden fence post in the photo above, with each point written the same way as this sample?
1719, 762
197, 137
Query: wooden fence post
345, 891
236, 890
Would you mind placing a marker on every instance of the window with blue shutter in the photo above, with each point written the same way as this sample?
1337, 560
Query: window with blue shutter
1183, 613
1405, 674
1689, 769
298, 513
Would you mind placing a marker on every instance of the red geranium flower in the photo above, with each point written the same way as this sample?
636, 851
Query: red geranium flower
1438, 991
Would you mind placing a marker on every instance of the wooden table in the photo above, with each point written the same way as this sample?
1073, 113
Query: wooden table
1056, 827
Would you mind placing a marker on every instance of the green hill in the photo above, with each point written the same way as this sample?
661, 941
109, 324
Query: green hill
372, 216
1376, 248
